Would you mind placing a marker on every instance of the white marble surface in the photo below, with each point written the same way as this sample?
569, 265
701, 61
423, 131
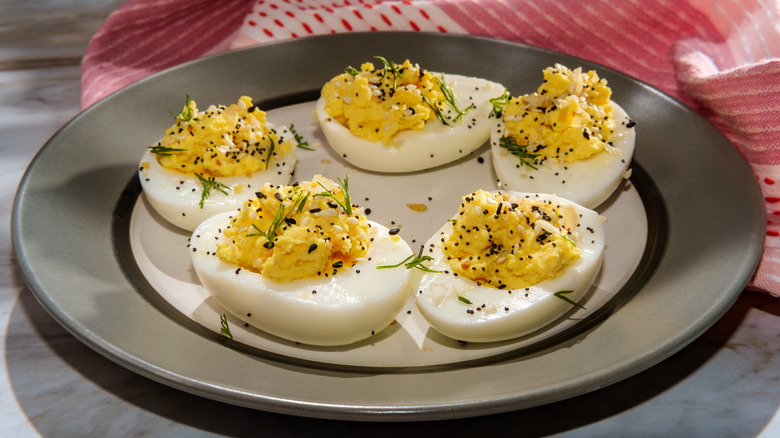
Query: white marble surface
725, 384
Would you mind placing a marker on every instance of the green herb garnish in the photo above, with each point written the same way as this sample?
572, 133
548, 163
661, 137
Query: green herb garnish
565, 237
449, 98
499, 103
270, 154
186, 113
562, 295
225, 330
210, 184
163, 150
347, 204
464, 299
436, 110
300, 196
413, 261
275, 224
302, 144
351, 71
526, 158
391, 67
271, 230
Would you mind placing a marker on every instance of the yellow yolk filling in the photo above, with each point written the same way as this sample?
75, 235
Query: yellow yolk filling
568, 118
506, 243
376, 104
290, 232
220, 141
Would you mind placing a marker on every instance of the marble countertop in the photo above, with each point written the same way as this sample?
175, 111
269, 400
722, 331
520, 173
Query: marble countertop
725, 383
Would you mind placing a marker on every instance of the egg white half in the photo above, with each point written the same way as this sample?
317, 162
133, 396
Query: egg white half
435, 145
176, 196
497, 315
347, 307
587, 182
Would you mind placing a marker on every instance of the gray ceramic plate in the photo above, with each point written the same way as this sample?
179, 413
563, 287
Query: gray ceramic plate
702, 229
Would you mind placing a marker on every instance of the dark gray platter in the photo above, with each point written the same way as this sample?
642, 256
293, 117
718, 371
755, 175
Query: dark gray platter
70, 222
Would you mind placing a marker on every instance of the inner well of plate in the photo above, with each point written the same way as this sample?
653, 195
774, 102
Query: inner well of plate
161, 268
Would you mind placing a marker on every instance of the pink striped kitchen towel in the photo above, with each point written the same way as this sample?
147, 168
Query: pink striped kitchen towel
721, 57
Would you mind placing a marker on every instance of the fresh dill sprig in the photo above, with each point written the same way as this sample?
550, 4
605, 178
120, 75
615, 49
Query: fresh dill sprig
268, 156
347, 204
164, 150
413, 261
449, 98
271, 231
566, 238
302, 143
208, 185
562, 295
186, 114
225, 330
499, 103
390, 67
436, 110
299, 198
526, 158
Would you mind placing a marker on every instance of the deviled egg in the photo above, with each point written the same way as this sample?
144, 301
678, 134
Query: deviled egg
212, 161
567, 138
301, 262
402, 118
508, 264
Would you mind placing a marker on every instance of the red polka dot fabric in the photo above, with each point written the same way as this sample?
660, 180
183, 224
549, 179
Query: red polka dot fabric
721, 57
271, 20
